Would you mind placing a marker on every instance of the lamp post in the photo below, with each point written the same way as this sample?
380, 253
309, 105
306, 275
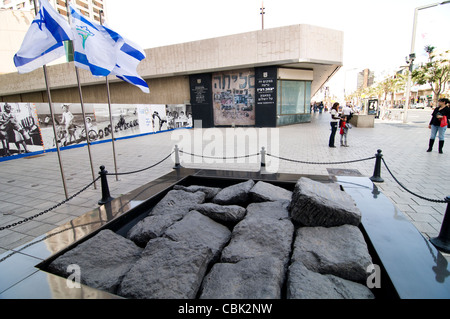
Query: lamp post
412, 55
262, 15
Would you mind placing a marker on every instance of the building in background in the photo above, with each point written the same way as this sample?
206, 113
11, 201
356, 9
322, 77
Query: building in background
16, 17
365, 79
263, 78
89, 8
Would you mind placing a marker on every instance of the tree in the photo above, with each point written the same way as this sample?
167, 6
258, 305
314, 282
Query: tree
436, 72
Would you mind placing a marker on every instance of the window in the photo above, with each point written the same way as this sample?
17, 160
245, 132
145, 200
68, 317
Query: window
293, 97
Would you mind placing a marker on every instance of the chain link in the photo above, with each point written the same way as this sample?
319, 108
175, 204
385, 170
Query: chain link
398, 182
320, 163
223, 158
143, 169
51, 208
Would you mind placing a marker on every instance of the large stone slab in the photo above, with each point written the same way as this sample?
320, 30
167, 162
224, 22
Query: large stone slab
318, 204
263, 191
237, 194
275, 210
254, 278
151, 227
210, 192
167, 270
340, 251
303, 283
103, 260
222, 213
198, 229
177, 202
254, 237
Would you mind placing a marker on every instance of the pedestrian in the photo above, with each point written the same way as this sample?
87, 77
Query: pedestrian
438, 123
347, 111
67, 119
334, 123
344, 127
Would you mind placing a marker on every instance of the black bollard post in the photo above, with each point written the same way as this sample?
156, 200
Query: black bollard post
263, 157
106, 197
377, 171
442, 242
177, 158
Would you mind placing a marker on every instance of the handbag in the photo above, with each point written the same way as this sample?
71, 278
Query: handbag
444, 121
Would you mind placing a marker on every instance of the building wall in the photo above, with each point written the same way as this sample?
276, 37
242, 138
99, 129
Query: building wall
170, 90
300, 50
13, 26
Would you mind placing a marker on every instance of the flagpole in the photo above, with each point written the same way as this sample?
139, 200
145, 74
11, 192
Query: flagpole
110, 112
53, 119
82, 110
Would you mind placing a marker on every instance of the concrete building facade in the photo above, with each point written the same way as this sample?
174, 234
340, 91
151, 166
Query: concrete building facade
259, 78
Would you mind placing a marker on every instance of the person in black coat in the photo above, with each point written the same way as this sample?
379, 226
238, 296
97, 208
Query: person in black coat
436, 125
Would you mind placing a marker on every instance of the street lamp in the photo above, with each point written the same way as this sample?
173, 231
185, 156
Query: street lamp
412, 55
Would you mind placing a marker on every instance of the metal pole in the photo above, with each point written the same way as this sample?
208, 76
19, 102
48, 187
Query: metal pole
44, 67
377, 170
82, 109
177, 158
263, 157
442, 242
110, 112
262, 15
412, 55
106, 196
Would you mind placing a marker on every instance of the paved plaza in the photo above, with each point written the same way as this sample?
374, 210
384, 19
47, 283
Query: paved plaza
32, 185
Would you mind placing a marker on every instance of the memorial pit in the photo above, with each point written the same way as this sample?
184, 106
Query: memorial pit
248, 240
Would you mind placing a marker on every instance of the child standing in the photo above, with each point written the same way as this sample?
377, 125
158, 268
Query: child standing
344, 131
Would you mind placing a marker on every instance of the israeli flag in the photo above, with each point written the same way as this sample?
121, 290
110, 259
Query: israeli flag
128, 59
96, 47
43, 42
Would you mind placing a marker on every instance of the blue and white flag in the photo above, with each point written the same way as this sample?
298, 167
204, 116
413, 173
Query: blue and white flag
44, 40
96, 47
128, 59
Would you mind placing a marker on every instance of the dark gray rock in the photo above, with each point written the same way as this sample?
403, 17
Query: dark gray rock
275, 210
263, 191
303, 283
340, 251
236, 194
255, 278
222, 213
177, 202
103, 260
254, 237
151, 227
167, 270
197, 229
210, 192
318, 204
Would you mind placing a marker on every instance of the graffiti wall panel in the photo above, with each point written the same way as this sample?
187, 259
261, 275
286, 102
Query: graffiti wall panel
234, 97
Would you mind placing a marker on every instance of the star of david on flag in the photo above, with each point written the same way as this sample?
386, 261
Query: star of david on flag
96, 47
44, 40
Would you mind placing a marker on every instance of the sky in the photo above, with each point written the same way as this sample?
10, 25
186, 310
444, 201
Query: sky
377, 34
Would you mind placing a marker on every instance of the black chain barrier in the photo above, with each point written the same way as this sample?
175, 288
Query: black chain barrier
143, 169
51, 208
78, 193
223, 158
320, 163
402, 186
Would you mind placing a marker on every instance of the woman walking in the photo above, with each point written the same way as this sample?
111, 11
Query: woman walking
334, 123
438, 123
